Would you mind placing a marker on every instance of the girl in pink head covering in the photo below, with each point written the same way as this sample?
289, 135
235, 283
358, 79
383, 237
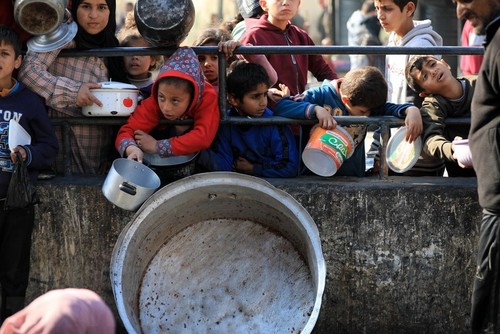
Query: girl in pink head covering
63, 311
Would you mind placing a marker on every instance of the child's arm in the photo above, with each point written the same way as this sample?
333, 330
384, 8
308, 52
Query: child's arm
412, 117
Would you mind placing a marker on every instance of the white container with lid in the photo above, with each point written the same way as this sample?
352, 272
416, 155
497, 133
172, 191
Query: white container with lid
118, 99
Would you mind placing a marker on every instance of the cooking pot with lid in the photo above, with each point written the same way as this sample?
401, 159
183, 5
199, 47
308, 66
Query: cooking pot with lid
118, 99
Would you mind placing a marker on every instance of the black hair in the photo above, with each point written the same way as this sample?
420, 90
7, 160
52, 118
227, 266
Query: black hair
244, 77
178, 82
11, 37
366, 86
415, 62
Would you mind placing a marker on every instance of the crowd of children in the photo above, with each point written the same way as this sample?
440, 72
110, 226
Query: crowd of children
184, 87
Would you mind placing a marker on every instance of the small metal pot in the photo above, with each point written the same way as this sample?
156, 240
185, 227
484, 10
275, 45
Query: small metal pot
118, 99
129, 183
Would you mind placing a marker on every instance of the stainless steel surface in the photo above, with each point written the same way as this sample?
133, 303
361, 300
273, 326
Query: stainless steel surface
203, 197
129, 183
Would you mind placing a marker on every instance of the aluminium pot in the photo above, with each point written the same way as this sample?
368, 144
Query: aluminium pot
118, 99
129, 183
39, 17
144, 272
164, 23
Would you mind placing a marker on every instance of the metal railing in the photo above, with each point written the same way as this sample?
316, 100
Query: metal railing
385, 123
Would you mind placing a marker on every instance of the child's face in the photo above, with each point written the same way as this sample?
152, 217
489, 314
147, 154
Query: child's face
391, 17
93, 15
137, 67
435, 78
280, 10
210, 65
173, 100
8, 63
253, 103
357, 110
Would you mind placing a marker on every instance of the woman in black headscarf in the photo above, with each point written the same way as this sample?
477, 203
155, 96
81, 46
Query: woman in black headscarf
66, 82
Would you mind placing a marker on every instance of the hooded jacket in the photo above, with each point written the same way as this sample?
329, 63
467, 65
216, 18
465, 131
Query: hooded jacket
291, 68
203, 109
422, 35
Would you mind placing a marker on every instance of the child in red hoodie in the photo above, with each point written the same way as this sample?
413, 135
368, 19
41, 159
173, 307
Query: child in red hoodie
179, 92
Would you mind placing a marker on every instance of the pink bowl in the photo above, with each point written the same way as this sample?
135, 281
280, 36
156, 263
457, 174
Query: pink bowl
462, 152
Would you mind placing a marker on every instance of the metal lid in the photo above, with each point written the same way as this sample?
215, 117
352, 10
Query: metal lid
55, 39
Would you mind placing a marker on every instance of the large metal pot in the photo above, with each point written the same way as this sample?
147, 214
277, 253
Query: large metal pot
156, 298
129, 183
164, 23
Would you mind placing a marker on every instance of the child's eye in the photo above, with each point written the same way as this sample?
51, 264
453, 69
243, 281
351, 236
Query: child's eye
103, 7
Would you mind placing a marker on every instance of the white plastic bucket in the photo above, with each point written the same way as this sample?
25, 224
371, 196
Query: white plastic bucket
327, 150
187, 262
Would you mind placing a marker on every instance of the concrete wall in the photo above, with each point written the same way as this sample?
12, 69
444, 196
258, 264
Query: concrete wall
399, 252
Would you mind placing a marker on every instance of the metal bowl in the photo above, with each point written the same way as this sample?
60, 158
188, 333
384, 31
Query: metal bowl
164, 23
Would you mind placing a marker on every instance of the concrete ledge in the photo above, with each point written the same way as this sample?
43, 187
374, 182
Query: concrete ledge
400, 252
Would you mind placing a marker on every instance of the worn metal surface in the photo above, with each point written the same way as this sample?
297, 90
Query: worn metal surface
198, 199
399, 253
164, 23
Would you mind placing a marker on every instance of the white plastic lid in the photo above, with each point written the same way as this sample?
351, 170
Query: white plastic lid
116, 85
401, 155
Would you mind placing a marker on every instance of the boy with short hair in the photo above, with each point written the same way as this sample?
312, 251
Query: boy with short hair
179, 92
396, 18
444, 96
274, 28
19, 103
260, 150
362, 92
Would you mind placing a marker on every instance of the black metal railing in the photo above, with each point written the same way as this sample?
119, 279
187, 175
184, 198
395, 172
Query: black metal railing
383, 122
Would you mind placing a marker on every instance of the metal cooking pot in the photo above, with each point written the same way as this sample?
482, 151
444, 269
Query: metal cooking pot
39, 17
118, 99
129, 183
48, 21
164, 23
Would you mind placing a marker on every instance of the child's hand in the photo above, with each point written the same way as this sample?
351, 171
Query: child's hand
244, 166
228, 47
85, 98
145, 141
325, 119
413, 122
19, 149
134, 153
276, 94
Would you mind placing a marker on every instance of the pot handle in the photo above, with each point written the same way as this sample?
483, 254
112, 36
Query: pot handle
127, 188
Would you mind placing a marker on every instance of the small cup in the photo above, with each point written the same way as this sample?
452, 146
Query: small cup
462, 152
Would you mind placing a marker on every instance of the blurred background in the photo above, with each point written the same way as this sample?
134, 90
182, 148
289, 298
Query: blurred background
325, 21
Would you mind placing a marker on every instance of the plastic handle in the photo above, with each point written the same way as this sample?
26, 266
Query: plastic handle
127, 188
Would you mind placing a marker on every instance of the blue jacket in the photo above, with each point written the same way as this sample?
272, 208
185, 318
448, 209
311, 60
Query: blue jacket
29, 110
270, 148
327, 96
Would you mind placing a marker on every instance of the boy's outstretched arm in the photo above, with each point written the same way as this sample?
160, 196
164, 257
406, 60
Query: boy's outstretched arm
413, 122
